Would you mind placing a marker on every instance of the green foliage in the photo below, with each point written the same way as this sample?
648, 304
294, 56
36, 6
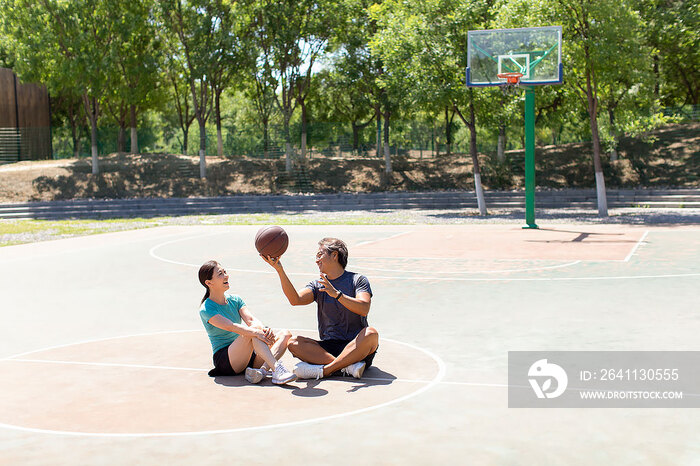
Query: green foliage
341, 60
643, 126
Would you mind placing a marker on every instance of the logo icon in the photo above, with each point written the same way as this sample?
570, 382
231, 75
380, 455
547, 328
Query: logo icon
542, 373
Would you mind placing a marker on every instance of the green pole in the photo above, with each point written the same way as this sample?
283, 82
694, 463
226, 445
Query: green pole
530, 157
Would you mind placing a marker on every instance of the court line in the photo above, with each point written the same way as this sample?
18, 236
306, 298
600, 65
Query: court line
201, 235
365, 243
152, 253
105, 364
95, 340
57, 252
568, 264
636, 246
195, 369
438, 377
540, 279
431, 278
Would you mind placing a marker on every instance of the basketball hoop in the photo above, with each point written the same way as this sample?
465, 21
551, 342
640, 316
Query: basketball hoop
512, 82
511, 78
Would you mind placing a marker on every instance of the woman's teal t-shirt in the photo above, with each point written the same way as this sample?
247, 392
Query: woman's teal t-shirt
218, 337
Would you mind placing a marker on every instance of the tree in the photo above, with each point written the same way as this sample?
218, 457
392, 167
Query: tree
261, 90
194, 24
290, 36
600, 42
671, 28
345, 97
137, 57
230, 54
63, 43
180, 98
423, 44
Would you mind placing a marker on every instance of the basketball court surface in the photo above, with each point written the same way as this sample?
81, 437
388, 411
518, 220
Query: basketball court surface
104, 360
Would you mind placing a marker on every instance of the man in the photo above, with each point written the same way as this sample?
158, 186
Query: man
347, 342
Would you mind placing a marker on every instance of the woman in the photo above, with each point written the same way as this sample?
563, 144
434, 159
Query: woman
240, 341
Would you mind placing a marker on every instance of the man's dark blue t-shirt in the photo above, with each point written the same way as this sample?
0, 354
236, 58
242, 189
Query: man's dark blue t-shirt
335, 321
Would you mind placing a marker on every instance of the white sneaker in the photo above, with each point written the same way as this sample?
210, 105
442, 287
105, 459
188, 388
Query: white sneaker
304, 370
354, 370
281, 375
254, 375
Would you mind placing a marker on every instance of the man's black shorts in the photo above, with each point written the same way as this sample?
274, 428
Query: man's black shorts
222, 365
335, 347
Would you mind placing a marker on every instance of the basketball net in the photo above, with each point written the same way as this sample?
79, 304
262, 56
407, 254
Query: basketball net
512, 84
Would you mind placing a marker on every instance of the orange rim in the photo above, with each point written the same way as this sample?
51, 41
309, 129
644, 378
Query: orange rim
511, 78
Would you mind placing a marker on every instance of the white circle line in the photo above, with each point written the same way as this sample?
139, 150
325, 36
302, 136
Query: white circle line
438, 377
568, 264
462, 279
152, 253
95, 340
105, 364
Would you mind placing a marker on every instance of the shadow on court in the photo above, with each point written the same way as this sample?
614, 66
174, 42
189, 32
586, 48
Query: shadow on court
373, 377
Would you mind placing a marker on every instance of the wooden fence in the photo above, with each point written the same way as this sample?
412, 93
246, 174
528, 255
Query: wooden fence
25, 123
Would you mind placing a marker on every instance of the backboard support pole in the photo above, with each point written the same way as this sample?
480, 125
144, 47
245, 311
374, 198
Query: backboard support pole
530, 157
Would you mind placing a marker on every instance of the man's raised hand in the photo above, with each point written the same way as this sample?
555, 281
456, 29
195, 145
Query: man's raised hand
273, 261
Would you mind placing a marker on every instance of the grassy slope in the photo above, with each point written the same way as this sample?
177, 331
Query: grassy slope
673, 160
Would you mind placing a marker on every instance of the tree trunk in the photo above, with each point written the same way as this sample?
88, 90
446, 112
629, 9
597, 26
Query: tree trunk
501, 154
379, 130
121, 139
448, 132
599, 178
593, 116
202, 148
75, 133
471, 124
613, 152
287, 143
481, 202
303, 130
134, 133
387, 154
76, 141
185, 134
92, 111
266, 137
355, 137
219, 137
657, 78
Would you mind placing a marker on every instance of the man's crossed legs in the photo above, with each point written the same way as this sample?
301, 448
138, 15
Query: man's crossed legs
358, 354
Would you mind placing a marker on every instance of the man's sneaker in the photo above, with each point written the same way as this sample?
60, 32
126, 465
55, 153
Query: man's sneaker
254, 375
281, 375
304, 370
354, 370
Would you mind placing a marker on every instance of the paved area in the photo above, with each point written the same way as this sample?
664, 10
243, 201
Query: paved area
103, 359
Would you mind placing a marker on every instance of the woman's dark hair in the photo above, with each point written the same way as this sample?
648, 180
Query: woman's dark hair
206, 271
334, 244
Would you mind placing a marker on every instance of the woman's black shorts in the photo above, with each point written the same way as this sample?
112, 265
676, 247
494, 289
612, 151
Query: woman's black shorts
222, 365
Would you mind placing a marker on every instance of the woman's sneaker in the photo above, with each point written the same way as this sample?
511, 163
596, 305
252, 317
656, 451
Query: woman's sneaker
304, 370
354, 370
281, 375
254, 375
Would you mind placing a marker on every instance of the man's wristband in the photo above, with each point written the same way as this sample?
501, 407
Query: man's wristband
339, 295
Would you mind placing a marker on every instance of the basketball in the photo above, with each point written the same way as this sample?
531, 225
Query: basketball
271, 241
